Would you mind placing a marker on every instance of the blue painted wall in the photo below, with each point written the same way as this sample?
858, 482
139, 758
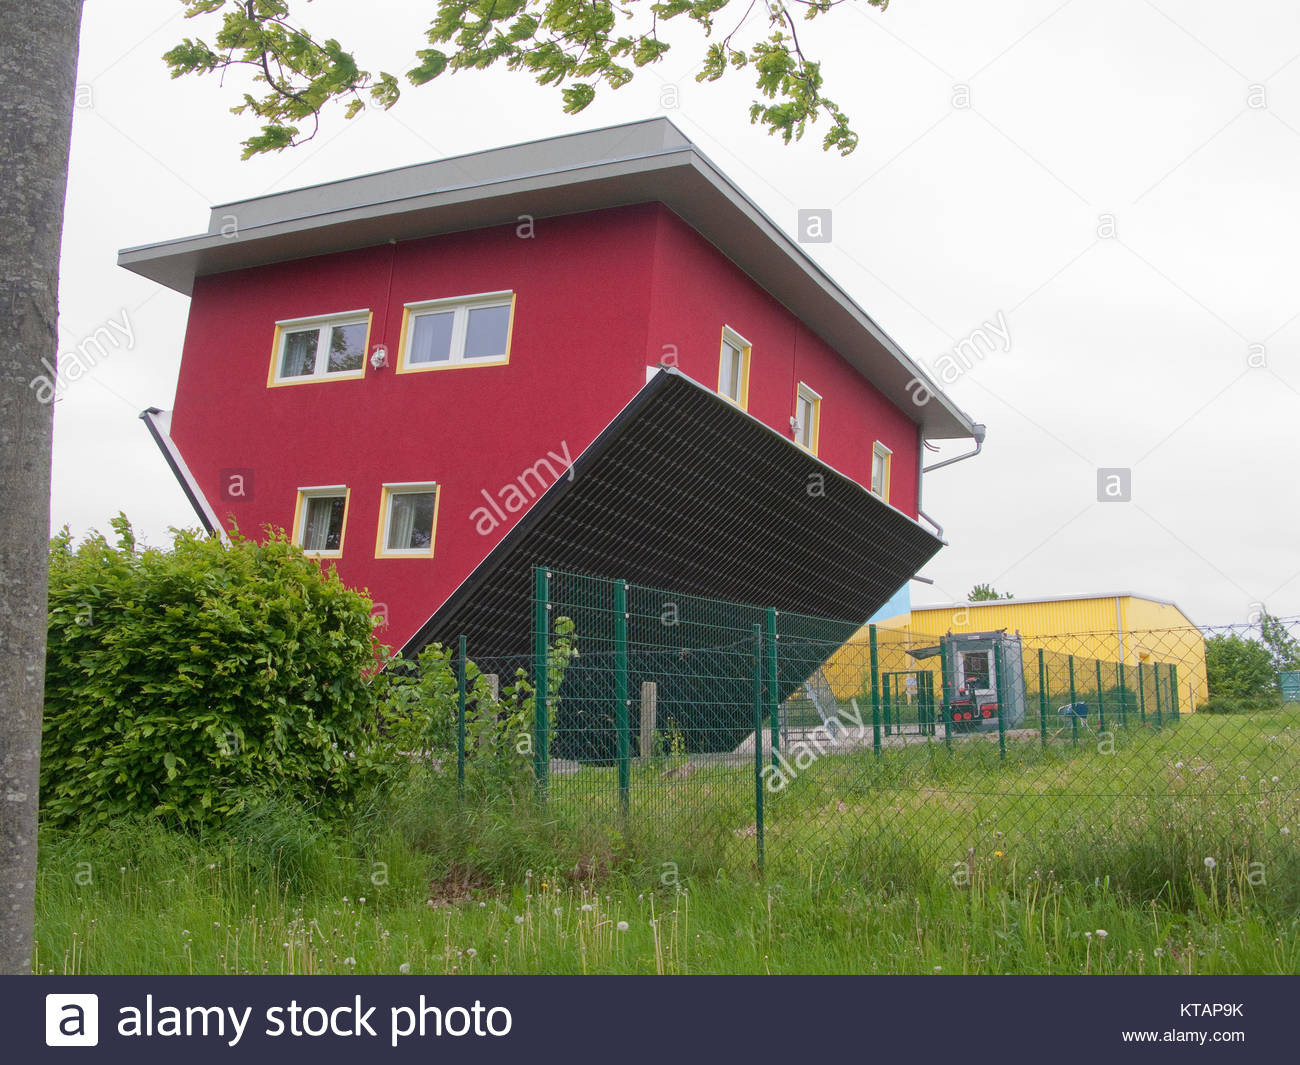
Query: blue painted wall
900, 603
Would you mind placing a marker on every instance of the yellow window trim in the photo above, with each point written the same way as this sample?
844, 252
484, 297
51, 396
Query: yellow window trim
454, 301
401, 487
729, 335
273, 379
814, 437
888, 455
316, 492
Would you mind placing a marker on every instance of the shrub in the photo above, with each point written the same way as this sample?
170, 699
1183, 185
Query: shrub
419, 705
1238, 667
1228, 704
183, 683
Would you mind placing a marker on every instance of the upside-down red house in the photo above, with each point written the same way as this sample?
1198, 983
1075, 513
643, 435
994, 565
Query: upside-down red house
591, 352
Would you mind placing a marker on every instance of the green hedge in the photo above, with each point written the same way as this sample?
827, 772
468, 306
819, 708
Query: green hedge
181, 682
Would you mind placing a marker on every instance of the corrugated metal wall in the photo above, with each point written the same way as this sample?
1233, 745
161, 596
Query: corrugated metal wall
1161, 631
1152, 632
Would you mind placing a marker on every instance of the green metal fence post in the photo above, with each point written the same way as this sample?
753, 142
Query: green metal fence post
1123, 698
1101, 702
1155, 683
758, 741
1042, 699
622, 699
773, 685
1142, 692
999, 660
886, 700
541, 678
944, 693
925, 701
1173, 689
460, 718
1074, 718
875, 692
932, 711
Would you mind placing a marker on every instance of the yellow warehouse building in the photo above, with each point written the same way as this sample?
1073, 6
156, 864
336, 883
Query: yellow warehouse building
1122, 627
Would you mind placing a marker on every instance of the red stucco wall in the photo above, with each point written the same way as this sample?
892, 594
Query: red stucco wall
697, 290
597, 297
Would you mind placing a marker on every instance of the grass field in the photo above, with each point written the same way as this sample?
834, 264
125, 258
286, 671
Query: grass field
1152, 852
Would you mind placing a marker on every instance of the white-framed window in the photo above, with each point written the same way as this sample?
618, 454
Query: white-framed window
462, 331
733, 367
881, 457
807, 417
320, 519
408, 520
312, 349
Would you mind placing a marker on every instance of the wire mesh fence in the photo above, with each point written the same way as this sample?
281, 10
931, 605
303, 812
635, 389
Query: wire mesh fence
762, 738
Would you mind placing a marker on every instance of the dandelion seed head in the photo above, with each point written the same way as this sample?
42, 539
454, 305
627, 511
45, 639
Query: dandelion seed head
622, 926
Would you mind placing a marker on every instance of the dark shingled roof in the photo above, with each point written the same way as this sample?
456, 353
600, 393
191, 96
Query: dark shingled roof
686, 492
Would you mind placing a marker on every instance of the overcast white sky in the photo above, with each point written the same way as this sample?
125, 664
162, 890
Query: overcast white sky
997, 139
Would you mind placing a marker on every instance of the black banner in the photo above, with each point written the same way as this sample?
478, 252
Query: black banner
636, 1019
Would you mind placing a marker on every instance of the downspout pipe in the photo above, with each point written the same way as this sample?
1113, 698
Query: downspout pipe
978, 431
158, 423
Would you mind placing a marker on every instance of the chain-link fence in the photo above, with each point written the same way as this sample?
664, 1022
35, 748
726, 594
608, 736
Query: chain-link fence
736, 733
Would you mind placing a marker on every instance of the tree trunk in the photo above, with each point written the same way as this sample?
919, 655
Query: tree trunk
38, 68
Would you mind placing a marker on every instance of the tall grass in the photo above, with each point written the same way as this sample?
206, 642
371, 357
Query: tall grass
1072, 862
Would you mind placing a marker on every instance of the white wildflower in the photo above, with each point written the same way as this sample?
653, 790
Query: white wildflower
622, 926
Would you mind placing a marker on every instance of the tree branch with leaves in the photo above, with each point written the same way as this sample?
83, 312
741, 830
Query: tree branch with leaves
579, 46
